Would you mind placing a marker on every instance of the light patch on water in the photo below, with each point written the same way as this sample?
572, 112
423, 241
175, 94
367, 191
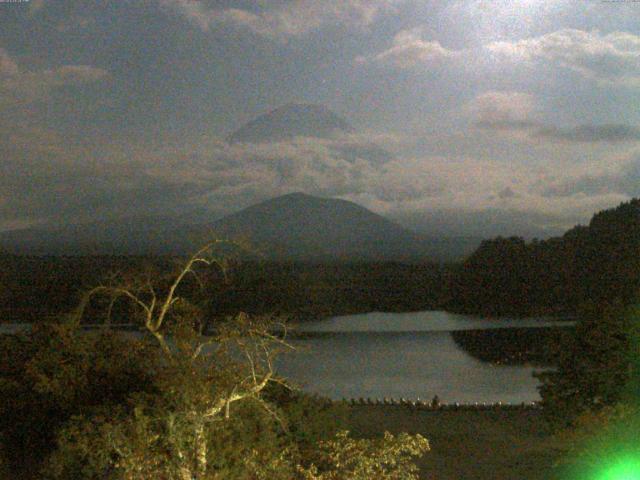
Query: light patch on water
427, 321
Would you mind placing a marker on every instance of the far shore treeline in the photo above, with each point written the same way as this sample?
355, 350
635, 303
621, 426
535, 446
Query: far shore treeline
504, 276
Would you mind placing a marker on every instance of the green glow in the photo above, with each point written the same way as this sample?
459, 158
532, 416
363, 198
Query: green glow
626, 469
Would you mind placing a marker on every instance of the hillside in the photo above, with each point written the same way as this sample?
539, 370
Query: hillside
130, 235
291, 227
303, 227
595, 263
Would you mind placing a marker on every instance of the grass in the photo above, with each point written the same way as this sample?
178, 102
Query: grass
469, 445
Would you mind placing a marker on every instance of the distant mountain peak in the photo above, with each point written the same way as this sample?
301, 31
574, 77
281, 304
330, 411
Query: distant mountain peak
297, 195
292, 120
295, 226
299, 226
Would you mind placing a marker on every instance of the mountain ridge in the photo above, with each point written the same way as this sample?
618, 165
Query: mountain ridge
294, 226
301, 226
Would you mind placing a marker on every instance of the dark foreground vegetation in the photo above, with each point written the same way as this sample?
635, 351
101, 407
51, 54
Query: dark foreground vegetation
513, 346
171, 403
106, 405
512, 444
470, 445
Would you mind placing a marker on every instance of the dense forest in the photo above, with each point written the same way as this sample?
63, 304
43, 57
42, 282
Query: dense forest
36, 288
594, 263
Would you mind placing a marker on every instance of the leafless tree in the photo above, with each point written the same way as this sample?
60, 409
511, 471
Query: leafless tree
234, 363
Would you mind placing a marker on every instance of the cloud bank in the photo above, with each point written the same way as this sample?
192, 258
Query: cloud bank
612, 133
608, 58
409, 49
24, 86
215, 178
503, 109
519, 112
622, 179
282, 19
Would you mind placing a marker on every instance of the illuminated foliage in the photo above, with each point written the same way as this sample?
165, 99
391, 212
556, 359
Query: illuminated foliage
174, 403
389, 458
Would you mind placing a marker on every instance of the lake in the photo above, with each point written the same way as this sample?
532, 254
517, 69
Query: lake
402, 355
410, 355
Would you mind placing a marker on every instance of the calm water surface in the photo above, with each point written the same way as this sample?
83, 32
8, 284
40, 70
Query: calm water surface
407, 355
410, 355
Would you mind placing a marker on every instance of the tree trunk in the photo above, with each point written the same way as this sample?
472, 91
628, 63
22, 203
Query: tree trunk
201, 451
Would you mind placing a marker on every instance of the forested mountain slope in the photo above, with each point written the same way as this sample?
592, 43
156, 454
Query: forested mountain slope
593, 263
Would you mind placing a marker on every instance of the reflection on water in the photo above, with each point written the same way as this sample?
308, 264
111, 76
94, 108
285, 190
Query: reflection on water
410, 355
409, 365
428, 321
405, 355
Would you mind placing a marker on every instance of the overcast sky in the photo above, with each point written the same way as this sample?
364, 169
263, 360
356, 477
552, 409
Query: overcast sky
499, 114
